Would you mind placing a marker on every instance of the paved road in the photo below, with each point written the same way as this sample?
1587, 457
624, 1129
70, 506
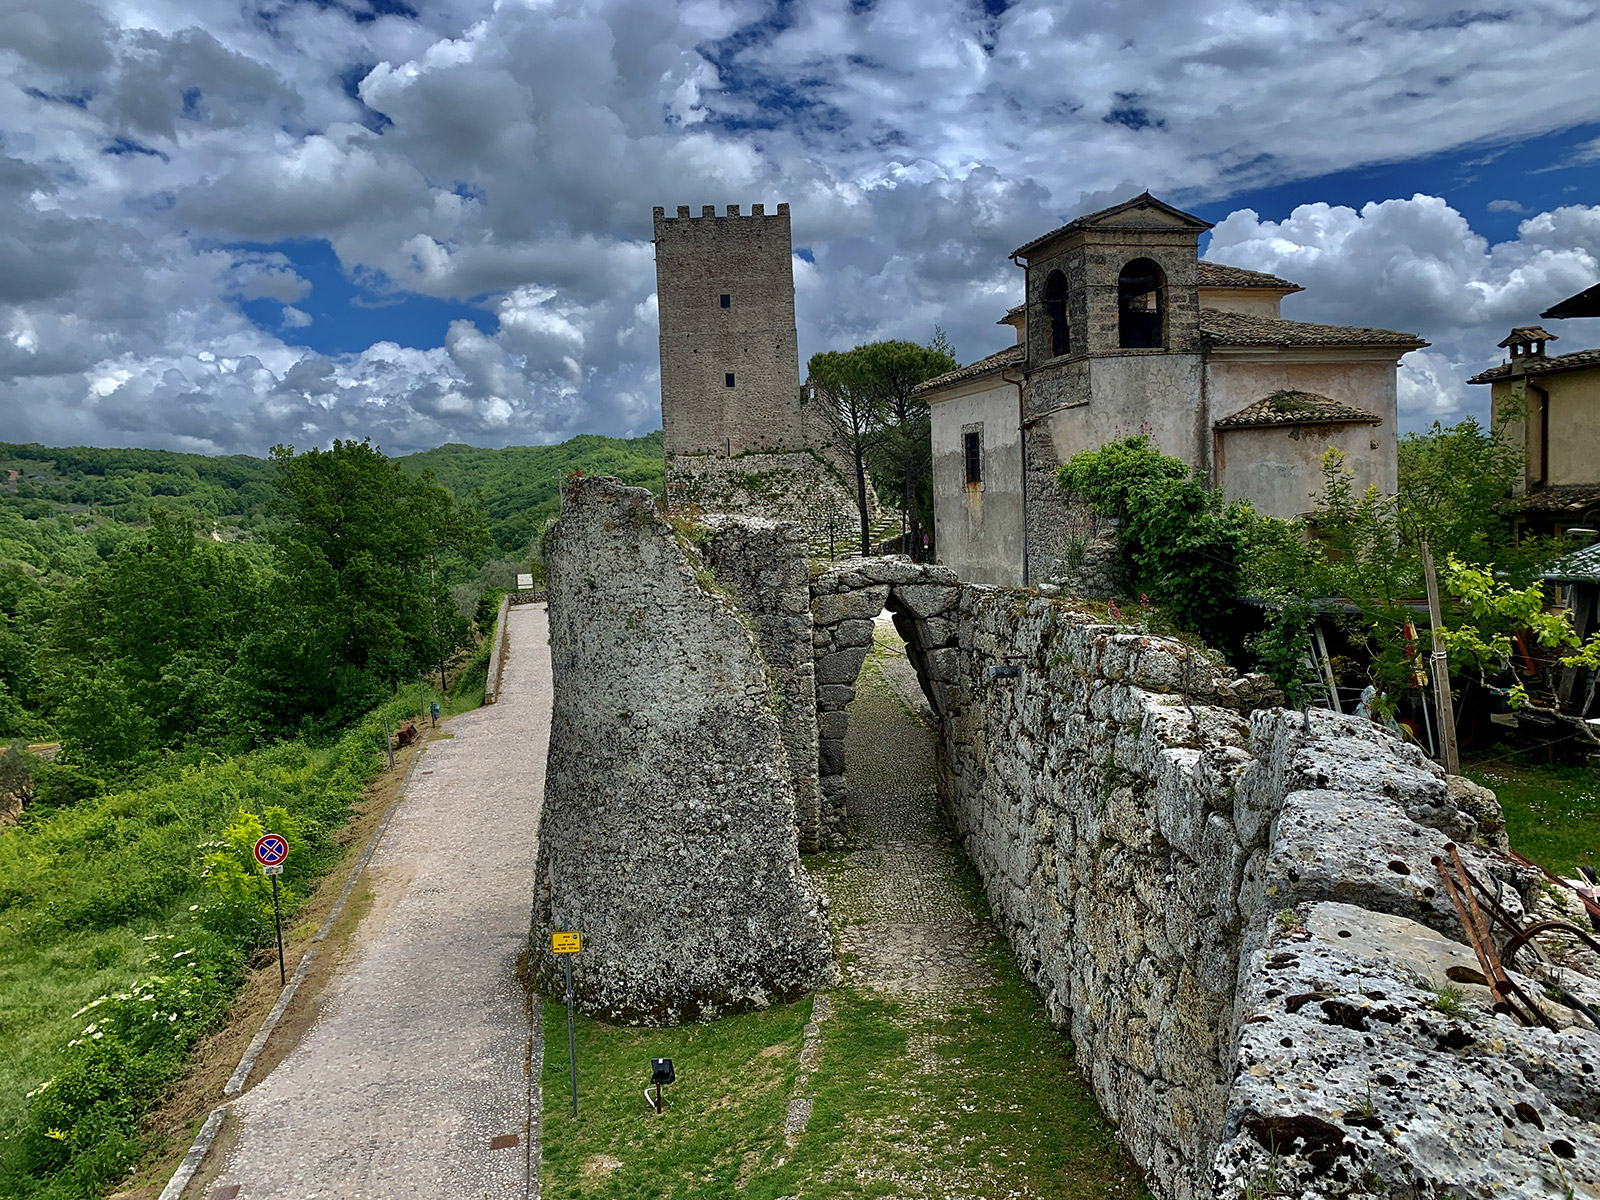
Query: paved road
418, 1060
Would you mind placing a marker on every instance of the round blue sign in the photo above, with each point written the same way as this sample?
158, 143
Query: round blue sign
271, 849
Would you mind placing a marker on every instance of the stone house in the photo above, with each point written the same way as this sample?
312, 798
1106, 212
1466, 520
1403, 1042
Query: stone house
1550, 406
1124, 331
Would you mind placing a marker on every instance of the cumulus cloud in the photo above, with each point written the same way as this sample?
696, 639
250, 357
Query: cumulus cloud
159, 164
1417, 265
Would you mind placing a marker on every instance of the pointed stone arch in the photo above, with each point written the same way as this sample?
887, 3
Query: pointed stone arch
845, 600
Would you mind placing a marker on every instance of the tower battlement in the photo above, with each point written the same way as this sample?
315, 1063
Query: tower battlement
710, 210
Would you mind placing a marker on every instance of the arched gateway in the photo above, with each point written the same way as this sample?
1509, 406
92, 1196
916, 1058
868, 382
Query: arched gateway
844, 601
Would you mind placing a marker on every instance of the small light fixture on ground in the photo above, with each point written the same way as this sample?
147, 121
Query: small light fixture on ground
660, 1073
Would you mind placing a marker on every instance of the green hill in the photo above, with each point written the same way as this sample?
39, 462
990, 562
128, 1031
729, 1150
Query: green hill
520, 484
63, 507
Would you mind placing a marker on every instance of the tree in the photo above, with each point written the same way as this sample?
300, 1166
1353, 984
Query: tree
364, 547
857, 414
1452, 483
887, 428
137, 652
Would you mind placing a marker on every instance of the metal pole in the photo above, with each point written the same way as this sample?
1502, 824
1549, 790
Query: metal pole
278, 922
572, 1038
388, 743
1449, 754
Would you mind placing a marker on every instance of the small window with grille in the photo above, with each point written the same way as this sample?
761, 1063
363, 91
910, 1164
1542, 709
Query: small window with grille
972, 444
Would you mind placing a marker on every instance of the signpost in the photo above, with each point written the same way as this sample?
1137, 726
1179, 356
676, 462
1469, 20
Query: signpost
567, 944
271, 850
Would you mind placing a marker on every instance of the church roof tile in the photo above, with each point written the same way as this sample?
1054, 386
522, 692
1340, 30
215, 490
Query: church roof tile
1247, 329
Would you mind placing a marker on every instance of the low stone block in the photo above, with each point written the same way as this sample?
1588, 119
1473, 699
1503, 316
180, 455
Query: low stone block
927, 600
840, 666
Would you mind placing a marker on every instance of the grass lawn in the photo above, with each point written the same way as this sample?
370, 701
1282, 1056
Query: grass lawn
1552, 812
1003, 1114
964, 1092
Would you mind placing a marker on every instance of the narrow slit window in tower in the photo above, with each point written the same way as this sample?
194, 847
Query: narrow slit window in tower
1055, 308
727, 380
727, 300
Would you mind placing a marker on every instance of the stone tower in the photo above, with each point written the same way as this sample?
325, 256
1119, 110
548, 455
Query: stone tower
730, 360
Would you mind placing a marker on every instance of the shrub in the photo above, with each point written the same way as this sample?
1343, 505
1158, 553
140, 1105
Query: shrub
1182, 543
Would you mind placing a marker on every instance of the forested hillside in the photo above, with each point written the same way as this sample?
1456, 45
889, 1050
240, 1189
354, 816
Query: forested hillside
519, 484
216, 645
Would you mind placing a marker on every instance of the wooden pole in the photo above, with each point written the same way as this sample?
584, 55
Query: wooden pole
1448, 753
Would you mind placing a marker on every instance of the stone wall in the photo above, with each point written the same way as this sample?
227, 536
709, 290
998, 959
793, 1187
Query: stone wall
798, 486
763, 563
1211, 898
668, 830
845, 600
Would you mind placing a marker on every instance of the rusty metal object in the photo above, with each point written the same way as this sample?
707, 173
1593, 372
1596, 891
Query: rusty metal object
1521, 938
1463, 890
1592, 908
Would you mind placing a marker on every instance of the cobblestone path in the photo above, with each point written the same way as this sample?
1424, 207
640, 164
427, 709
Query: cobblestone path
904, 924
413, 1081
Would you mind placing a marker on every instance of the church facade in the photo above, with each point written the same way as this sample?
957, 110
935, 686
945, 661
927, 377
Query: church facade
1125, 330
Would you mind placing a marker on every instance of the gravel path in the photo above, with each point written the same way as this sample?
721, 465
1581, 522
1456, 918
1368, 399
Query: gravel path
417, 1065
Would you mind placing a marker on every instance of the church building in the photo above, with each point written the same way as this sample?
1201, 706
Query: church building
1125, 330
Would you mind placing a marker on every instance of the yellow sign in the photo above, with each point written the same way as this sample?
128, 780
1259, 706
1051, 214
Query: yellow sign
566, 943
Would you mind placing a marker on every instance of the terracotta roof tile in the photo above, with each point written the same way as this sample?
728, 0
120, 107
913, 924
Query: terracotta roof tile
1246, 329
1571, 498
1297, 408
1528, 333
1578, 360
1220, 275
997, 361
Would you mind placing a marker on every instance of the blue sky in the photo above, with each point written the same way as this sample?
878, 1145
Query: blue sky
224, 227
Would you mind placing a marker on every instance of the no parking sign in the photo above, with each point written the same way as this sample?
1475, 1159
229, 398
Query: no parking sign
271, 850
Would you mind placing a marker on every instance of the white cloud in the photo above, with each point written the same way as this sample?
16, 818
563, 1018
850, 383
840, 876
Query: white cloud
1515, 206
507, 154
1417, 265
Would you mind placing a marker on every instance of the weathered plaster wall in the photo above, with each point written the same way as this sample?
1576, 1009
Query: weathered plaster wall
1213, 903
1254, 302
1278, 468
668, 830
978, 527
1574, 437
1237, 378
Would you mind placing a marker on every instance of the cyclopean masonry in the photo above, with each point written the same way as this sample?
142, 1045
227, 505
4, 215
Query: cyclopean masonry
668, 834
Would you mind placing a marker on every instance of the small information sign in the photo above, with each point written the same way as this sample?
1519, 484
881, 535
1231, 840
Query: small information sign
275, 869
525, 583
566, 943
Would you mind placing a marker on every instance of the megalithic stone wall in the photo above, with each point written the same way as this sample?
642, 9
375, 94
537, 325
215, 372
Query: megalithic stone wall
1234, 911
668, 834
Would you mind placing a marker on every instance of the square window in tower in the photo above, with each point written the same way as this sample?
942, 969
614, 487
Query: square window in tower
727, 380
